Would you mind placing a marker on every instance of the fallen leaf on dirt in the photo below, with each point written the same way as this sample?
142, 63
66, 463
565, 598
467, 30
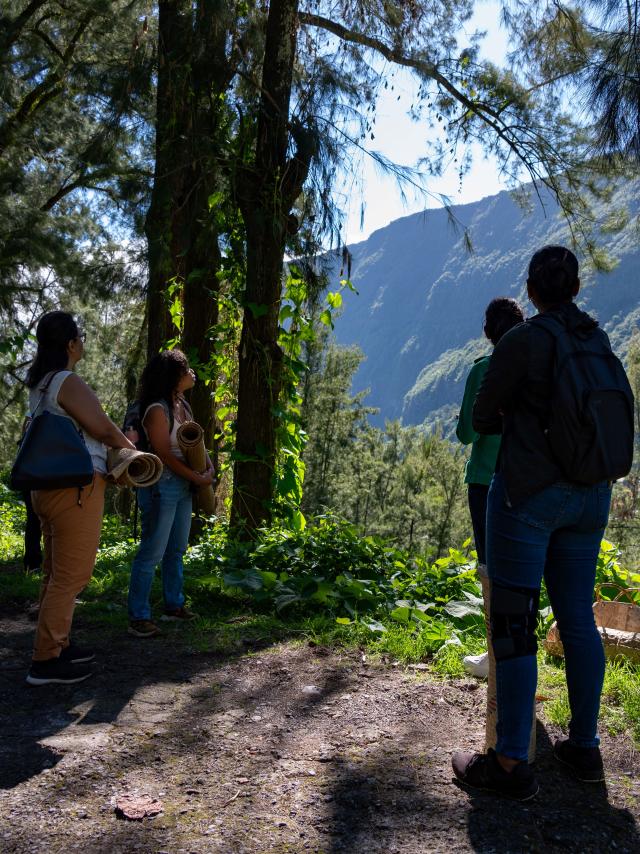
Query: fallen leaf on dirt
137, 807
540, 698
242, 780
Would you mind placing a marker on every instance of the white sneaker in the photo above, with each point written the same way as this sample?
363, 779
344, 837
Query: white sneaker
477, 665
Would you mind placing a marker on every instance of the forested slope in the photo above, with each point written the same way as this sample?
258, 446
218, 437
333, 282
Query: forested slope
422, 294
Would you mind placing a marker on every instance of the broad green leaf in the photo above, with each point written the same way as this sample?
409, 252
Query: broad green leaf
462, 609
401, 615
257, 310
375, 626
249, 579
298, 521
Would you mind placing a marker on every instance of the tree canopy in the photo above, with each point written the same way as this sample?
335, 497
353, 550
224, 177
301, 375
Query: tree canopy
178, 152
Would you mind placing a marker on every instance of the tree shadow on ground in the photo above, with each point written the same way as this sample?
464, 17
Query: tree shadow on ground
293, 748
124, 667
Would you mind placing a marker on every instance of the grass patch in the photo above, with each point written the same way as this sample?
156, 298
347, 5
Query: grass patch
326, 586
621, 698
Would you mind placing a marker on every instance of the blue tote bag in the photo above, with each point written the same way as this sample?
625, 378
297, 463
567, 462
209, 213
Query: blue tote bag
52, 453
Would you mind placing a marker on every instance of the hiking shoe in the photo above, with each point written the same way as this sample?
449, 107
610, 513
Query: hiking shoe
585, 762
143, 628
477, 665
77, 654
178, 615
54, 670
483, 771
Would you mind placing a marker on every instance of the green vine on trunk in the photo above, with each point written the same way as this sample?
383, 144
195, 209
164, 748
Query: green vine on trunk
296, 328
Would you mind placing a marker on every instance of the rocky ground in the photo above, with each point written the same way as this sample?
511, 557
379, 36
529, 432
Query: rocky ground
288, 748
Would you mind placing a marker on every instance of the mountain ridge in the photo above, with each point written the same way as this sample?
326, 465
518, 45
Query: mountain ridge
422, 295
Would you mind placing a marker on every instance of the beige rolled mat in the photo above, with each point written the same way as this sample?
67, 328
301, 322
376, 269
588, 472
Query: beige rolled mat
191, 440
491, 736
127, 467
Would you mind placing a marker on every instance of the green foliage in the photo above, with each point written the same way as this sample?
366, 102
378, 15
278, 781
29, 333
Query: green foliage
404, 484
297, 332
611, 576
362, 581
327, 585
12, 522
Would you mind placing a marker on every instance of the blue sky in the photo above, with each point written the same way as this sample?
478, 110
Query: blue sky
402, 140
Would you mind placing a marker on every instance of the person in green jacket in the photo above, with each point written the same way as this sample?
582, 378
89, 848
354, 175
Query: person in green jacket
500, 316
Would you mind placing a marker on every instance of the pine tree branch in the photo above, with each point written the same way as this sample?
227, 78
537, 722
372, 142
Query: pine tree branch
53, 47
13, 28
48, 89
491, 117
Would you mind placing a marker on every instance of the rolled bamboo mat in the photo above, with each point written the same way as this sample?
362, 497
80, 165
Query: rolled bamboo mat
191, 440
127, 467
491, 735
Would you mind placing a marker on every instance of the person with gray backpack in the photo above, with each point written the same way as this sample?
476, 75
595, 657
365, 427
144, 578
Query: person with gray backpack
564, 406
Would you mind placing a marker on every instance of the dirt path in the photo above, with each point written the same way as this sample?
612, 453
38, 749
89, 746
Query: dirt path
290, 749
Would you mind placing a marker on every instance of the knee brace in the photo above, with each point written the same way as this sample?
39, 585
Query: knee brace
514, 616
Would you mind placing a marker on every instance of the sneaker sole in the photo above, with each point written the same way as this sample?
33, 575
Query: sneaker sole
576, 774
53, 680
137, 634
499, 792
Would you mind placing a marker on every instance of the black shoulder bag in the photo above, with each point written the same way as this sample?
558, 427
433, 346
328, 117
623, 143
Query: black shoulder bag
52, 453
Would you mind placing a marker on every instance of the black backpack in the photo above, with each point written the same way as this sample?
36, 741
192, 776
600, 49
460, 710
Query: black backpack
591, 422
133, 420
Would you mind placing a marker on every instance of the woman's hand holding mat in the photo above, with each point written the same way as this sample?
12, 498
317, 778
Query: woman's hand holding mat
191, 440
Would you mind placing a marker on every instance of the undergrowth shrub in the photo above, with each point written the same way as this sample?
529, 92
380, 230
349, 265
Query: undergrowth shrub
12, 521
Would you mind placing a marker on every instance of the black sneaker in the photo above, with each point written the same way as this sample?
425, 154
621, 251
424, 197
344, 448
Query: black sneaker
56, 671
585, 762
483, 771
77, 654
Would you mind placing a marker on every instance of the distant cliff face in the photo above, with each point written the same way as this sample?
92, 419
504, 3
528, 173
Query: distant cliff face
422, 295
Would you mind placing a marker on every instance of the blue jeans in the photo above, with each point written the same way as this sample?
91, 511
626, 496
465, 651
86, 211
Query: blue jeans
555, 533
166, 521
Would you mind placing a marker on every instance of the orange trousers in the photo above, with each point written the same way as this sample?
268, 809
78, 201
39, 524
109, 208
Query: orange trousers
71, 523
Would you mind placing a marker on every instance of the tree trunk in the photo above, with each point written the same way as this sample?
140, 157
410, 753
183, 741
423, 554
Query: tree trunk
182, 232
266, 194
174, 43
210, 76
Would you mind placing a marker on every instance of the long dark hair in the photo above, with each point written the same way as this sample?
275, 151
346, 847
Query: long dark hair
54, 331
502, 314
160, 379
553, 272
